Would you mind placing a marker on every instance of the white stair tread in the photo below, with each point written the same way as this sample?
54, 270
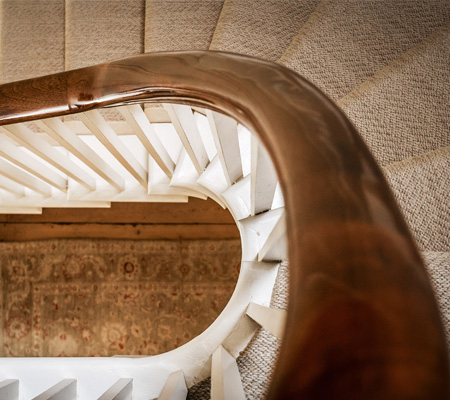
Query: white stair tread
115, 145
272, 320
36, 144
9, 389
206, 134
226, 381
263, 179
20, 177
225, 133
122, 389
278, 199
186, 127
175, 387
143, 129
63, 390
237, 197
245, 140
75, 145
213, 178
185, 175
260, 233
159, 183
32, 165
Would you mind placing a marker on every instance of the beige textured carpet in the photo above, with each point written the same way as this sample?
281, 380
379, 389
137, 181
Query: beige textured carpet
346, 41
180, 25
105, 297
260, 29
421, 186
98, 31
403, 110
31, 38
439, 270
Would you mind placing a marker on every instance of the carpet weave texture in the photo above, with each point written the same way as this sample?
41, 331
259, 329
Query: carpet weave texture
346, 42
260, 29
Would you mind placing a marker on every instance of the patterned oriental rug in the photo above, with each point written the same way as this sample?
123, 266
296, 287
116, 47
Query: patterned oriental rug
110, 297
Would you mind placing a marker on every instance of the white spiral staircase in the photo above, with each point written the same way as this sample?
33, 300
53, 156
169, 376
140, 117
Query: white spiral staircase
386, 67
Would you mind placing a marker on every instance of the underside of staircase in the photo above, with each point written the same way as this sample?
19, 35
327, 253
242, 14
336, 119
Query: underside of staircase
384, 63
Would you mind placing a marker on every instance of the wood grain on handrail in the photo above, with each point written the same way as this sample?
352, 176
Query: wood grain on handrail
362, 320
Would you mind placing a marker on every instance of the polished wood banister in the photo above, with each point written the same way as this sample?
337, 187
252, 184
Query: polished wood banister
362, 320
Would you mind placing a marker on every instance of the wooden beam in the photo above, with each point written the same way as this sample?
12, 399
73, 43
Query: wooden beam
196, 211
10, 232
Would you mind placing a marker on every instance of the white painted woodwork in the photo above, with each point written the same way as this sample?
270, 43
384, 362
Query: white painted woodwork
13, 188
121, 390
273, 320
245, 139
258, 230
277, 251
37, 145
23, 178
9, 389
277, 232
278, 199
264, 179
243, 331
205, 133
237, 197
133, 192
30, 199
184, 123
185, 175
137, 119
168, 136
156, 113
226, 381
225, 134
174, 388
70, 141
20, 210
213, 178
32, 165
159, 183
106, 135
120, 127
63, 390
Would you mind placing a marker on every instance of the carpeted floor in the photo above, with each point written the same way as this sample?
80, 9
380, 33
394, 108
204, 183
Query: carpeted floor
106, 297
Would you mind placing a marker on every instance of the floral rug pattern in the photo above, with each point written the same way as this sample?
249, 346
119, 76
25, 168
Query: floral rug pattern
110, 297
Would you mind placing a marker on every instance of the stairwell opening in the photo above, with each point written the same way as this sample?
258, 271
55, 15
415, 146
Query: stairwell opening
134, 279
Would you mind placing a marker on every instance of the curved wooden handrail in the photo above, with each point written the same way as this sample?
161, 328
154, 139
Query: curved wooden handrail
363, 322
